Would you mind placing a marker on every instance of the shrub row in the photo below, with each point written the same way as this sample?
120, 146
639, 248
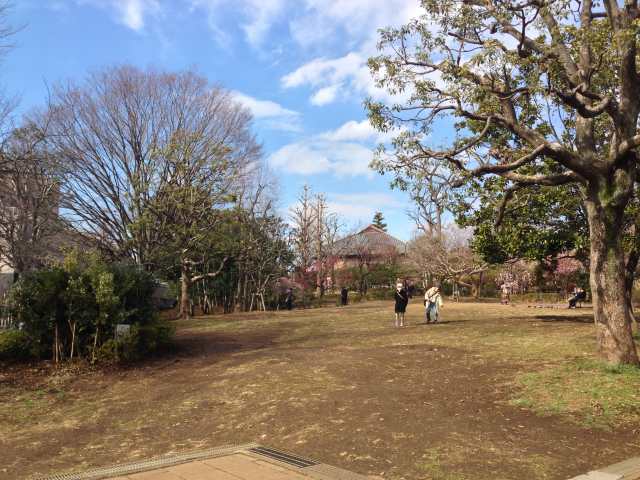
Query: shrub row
71, 311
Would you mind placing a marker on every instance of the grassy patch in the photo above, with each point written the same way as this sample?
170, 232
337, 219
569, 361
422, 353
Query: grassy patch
344, 386
591, 392
431, 465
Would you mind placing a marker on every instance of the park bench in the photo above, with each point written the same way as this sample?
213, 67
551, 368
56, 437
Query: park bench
560, 306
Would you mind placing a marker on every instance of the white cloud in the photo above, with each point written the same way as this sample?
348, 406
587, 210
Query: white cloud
270, 114
357, 131
311, 23
325, 95
349, 73
321, 70
352, 212
262, 14
349, 159
315, 156
300, 159
263, 108
360, 207
259, 16
344, 152
372, 198
131, 13
359, 21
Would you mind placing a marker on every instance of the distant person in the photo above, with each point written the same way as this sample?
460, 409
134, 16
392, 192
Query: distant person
506, 294
288, 301
432, 302
579, 295
402, 299
344, 296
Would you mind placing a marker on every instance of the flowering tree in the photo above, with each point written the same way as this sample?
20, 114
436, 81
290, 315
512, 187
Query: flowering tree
516, 276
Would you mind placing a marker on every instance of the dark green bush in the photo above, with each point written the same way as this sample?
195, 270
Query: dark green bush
149, 338
14, 345
72, 310
37, 303
141, 341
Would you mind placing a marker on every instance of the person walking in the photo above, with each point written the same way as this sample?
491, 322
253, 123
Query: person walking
506, 294
402, 299
344, 296
433, 303
289, 299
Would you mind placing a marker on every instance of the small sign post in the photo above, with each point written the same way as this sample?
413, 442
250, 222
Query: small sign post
122, 330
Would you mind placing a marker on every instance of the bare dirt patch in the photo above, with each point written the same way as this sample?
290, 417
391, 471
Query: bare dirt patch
338, 385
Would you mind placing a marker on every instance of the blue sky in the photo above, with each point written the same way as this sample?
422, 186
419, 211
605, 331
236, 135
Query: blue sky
299, 65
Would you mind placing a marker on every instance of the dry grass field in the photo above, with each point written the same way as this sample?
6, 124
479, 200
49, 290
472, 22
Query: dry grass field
492, 392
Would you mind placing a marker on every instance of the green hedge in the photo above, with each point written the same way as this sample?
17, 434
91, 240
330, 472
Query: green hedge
14, 345
71, 310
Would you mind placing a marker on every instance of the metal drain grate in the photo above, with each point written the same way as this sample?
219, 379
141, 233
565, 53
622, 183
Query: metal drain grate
283, 457
150, 464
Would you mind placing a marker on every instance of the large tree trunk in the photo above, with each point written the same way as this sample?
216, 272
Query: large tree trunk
478, 286
185, 283
611, 310
631, 266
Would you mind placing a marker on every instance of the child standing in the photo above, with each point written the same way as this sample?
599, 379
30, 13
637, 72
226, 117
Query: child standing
402, 299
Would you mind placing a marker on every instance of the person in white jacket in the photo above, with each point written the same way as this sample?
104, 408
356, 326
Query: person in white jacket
433, 303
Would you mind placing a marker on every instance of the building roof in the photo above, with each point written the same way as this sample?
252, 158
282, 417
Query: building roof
372, 240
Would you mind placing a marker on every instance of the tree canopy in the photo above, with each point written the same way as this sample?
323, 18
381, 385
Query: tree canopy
543, 93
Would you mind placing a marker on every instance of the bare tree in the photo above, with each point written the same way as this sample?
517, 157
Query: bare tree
114, 132
430, 190
6, 30
446, 256
30, 228
326, 229
302, 233
320, 253
333, 225
314, 232
7, 103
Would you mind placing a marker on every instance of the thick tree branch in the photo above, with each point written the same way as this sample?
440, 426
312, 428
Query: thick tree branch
211, 274
627, 145
547, 180
508, 195
584, 109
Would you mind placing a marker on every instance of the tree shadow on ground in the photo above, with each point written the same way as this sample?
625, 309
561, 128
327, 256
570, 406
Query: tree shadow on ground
582, 318
441, 322
212, 346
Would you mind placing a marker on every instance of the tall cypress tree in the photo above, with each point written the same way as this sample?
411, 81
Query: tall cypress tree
378, 221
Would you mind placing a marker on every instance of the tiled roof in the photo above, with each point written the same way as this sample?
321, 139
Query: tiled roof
371, 239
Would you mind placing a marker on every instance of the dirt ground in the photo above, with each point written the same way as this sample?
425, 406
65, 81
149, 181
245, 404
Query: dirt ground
339, 385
